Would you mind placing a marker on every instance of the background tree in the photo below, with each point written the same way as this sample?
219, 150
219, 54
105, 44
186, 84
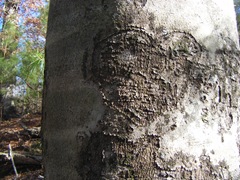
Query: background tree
22, 37
139, 90
9, 40
237, 10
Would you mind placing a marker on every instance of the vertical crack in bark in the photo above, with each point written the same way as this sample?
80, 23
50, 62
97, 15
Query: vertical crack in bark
219, 94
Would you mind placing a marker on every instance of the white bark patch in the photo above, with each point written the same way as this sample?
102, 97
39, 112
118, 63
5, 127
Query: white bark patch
212, 22
206, 135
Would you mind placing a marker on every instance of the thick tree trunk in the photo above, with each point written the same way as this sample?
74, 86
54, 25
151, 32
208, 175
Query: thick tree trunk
141, 89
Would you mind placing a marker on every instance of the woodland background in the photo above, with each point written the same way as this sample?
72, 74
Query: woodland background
23, 26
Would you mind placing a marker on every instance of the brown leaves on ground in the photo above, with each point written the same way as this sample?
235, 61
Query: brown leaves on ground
17, 133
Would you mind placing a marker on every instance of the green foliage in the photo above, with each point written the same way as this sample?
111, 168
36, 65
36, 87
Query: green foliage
31, 73
8, 70
9, 41
8, 51
22, 42
31, 68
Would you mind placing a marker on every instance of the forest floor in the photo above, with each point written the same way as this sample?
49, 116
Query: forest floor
22, 135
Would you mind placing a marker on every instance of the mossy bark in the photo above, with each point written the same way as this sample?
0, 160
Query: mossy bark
126, 98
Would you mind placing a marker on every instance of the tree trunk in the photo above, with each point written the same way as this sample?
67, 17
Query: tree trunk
141, 89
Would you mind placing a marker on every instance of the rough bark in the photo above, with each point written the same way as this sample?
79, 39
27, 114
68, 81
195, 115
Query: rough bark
131, 95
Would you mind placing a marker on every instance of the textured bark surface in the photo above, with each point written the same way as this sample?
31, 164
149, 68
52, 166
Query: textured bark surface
128, 97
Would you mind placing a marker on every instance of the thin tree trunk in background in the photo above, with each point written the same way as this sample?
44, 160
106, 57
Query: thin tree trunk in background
1, 103
141, 89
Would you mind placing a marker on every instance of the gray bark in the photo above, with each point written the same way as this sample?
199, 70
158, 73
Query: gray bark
141, 89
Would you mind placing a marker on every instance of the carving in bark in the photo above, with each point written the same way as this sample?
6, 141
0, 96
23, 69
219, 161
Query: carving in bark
142, 81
